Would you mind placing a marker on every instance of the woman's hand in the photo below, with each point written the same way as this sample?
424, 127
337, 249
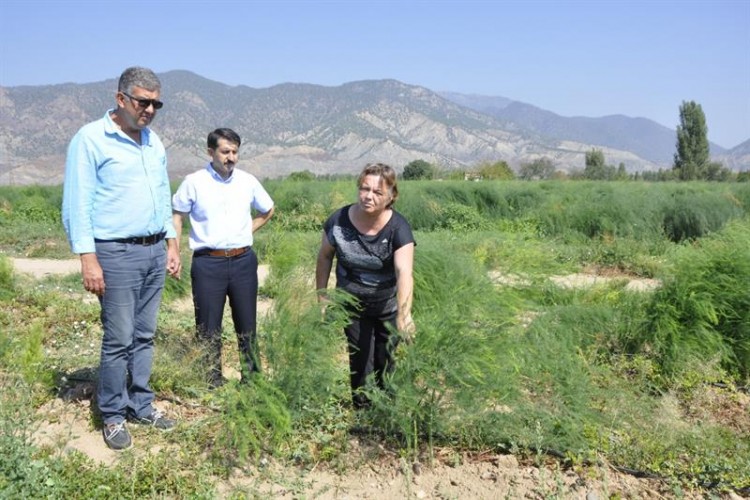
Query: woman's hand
406, 327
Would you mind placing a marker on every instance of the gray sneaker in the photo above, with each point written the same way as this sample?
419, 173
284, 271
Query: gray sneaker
155, 419
116, 436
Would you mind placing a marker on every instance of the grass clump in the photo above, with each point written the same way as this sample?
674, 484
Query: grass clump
255, 418
703, 310
688, 216
453, 369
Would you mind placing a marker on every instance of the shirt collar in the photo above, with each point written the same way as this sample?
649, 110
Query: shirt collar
110, 127
216, 175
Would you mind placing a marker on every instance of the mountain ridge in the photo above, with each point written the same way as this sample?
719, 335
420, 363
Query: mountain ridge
298, 126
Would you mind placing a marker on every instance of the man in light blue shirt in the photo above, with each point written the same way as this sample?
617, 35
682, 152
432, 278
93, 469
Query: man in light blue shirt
219, 200
117, 213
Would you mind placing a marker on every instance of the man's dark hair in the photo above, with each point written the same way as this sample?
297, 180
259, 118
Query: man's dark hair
223, 133
138, 77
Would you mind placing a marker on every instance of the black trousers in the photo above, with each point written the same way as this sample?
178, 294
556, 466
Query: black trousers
371, 348
213, 280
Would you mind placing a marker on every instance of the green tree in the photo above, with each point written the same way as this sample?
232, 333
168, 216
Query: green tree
715, 171
596, 168
304, 175
419, 169
622, 173
541, 168
691, 158
500, 170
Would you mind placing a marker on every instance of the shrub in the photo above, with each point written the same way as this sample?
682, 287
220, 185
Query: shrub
689, 216
7, 280
703, 310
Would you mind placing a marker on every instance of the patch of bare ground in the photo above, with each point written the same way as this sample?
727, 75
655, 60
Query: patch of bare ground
590, 277
40, 268
721, 405
594, 276
371, 470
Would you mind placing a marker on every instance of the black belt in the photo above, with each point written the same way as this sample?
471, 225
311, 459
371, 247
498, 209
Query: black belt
136, 240
228, 252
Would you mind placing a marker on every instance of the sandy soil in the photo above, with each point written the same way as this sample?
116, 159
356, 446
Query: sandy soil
371, 472
39, 268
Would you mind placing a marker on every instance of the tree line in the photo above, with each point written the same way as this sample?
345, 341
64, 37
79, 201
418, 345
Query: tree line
691, 162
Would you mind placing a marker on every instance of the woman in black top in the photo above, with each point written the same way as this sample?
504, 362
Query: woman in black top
374, 249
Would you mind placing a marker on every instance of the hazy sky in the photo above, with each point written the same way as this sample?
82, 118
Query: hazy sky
575, 58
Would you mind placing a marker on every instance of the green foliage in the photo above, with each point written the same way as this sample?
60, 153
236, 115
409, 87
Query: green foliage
32, 203
499, 170
284, 251
596, 169
304, 206
298, 337
452, 370
539, 169
459, 218
255, 418
503, 358
35, 209
21, 475
691, 160
419, 169
687, 216
303, 176
595, 158
7, 280
702, 313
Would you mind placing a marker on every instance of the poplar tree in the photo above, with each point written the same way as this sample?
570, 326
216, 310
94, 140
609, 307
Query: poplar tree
596, 168
692, 157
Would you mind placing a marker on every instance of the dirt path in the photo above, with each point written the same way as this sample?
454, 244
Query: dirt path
40, 268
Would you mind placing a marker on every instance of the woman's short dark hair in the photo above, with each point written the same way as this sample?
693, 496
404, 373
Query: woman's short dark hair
223, 133
386, 173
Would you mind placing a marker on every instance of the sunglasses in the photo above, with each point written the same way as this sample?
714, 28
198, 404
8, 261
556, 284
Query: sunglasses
144, 103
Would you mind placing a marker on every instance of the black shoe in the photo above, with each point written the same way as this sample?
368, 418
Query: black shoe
155, 419
116, 436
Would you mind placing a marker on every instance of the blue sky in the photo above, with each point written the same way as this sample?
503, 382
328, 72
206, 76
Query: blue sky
639, 58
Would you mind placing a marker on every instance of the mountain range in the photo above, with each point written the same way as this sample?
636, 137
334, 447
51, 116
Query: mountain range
294, 127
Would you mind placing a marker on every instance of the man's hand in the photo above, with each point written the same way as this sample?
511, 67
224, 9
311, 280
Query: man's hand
93, 276
174, 263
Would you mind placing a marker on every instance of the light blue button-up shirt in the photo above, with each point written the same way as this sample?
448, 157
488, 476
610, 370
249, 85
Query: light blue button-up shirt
114, 188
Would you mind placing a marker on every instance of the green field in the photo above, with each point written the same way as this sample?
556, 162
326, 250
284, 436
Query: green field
506, 357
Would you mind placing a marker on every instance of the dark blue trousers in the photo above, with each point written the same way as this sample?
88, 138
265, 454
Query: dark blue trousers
213, 280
